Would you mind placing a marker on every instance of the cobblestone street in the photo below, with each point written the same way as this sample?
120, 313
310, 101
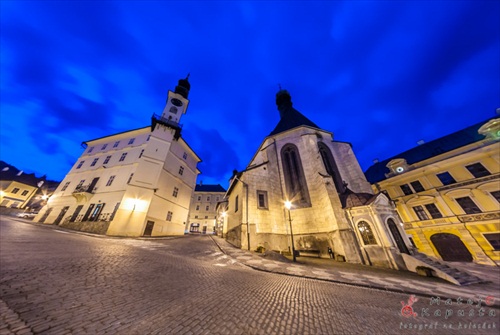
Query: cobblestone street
57, 282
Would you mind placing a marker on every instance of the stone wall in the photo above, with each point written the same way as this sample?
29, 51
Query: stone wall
99, 227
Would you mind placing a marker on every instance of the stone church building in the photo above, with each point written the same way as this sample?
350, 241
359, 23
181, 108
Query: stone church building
333, 205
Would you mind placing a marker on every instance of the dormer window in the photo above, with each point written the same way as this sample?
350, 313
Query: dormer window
398, 165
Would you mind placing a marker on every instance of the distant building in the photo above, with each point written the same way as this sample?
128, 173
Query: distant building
332, 204
16, 187
134, 183
447, 193
202, 211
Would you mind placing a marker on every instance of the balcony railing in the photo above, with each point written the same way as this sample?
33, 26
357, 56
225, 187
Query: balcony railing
165, 121
480, 216
469, 182
85, 189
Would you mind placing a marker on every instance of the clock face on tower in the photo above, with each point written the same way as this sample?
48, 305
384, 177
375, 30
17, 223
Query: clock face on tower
176, 102
173, 110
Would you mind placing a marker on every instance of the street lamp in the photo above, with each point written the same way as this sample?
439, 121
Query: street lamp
288, 205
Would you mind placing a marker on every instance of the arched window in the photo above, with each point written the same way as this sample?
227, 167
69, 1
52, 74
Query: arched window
331, 166
295, 181
366, 233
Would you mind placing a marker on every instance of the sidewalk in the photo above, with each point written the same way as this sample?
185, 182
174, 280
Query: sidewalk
376, 278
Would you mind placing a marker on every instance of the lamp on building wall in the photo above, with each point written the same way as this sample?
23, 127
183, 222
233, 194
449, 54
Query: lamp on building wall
224, 214
288, 205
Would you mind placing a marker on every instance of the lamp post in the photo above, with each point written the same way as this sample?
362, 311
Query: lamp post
288, 205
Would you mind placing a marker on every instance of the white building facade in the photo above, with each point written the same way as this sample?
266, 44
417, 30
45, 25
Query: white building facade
203, 209
135, 183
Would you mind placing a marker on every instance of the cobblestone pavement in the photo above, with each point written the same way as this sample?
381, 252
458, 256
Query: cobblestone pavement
58, 282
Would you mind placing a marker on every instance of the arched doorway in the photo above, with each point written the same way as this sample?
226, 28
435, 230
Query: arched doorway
397, 237
451, 248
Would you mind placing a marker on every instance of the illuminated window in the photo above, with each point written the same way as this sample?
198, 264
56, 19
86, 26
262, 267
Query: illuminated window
366, 233
468, 205
446, 178
478, 170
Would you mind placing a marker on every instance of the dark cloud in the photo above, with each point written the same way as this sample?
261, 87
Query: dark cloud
378, 74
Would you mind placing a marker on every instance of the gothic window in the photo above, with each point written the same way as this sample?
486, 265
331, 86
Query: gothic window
331, 166
295, 181
366, 233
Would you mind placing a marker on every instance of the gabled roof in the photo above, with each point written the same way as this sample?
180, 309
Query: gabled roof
290, 117
469, 135
209, 188
10, 173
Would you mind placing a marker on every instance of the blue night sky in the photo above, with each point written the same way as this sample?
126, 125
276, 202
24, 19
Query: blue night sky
379, 74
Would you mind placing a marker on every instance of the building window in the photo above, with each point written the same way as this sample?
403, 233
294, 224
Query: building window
131, 141
496, 195
181, 170
24, 193
493, 239
107, 160
122, 158
65, 186
130, 178
446, 178
406, 189
262, 199
236, 204
169, 216
208, 198
433, 211
149, 136
217, 199
116, 144
184, 155
176, 191
417, 187
366, 233
104, 146
331, 166
197, 207
90, 150
196, 216
295, 181
419, 210
94, 162
110, 180
199, 198
80, 184
206, 216
478, 170
207, 208
15, 190
142, 151
80, 164
468, 205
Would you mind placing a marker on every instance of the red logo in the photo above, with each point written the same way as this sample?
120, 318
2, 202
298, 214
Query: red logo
489, 300
407, 310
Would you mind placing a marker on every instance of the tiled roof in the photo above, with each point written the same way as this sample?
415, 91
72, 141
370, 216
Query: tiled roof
376, 172
209, 188
12, 174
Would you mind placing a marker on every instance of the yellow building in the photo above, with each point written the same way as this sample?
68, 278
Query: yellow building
16, 187
447, 193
